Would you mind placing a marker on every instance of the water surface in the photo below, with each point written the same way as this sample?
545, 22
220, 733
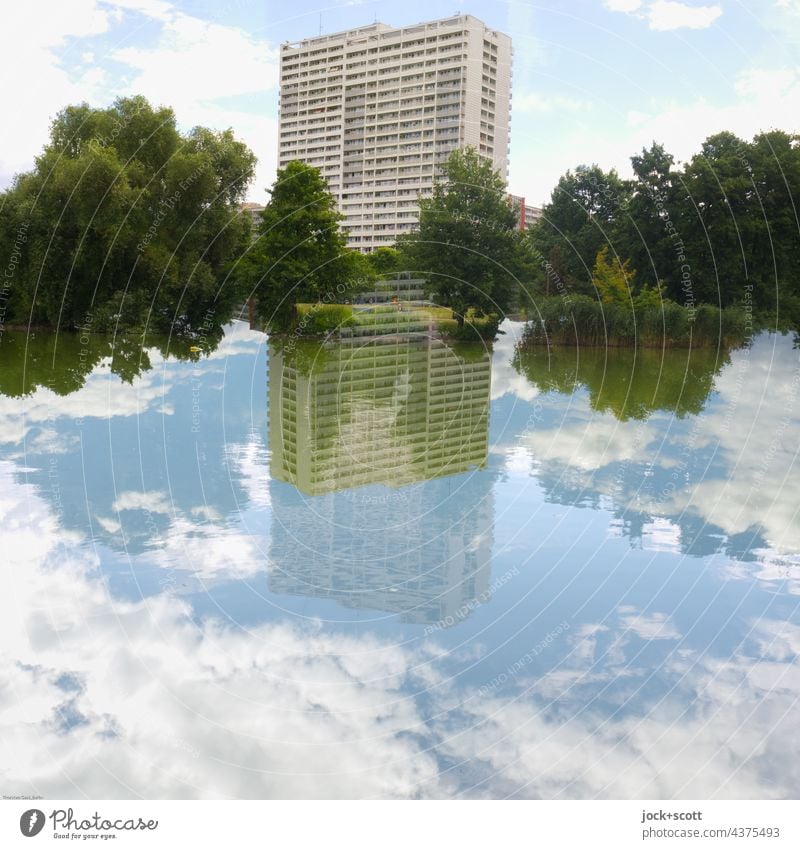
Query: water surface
396, 569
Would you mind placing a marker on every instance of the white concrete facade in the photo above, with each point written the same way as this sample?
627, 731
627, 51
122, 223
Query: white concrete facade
378, 109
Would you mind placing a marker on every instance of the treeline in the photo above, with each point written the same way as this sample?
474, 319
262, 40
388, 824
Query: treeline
621, 381
721, 229
125, 222
645, 323
467, 247
61, 362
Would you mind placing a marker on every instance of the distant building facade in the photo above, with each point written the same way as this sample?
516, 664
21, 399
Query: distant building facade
528, 214
254, 210
379, 109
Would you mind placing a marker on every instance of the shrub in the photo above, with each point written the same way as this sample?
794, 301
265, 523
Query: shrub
582, 320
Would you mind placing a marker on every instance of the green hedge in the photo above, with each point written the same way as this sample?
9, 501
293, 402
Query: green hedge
585, 320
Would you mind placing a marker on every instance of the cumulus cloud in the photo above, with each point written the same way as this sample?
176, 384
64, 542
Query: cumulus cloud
33, 75
198, 67
113, 699
667, 14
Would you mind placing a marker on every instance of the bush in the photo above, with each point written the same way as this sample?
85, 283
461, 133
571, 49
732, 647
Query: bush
318, 319
582, 320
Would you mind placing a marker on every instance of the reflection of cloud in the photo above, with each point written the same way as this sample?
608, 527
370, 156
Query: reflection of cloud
590, 444
163, 707
506, 380
152, 501
95, 399
661, 535
663, 467
111, 699
251, 462
755, 429
104, 396
210, 552
737, 740
652, 626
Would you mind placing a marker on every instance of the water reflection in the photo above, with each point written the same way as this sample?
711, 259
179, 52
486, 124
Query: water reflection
630, 384
347, 420
394, 410
685, 453
604, 603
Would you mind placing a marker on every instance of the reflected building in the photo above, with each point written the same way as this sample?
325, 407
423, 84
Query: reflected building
393, 411
381, 432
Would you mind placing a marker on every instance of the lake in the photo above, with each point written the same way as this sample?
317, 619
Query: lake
391, 568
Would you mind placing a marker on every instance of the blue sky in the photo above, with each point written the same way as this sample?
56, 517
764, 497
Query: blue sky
594, 80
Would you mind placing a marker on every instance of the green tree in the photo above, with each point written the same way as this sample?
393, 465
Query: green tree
648, 231
613, 279
385, 261
719, 218
301, 253
127, 222
468, 243
580, 219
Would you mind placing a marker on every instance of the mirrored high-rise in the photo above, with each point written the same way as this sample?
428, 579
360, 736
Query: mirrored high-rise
391, 410
358, 424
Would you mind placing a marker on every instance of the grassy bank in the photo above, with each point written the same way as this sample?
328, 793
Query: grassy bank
579, 319
322, 319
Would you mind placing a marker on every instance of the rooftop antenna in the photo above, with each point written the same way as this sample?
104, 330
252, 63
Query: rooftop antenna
320, 23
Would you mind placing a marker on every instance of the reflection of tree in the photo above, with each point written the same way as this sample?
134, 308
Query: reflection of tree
61, 362
100, 455
630, 384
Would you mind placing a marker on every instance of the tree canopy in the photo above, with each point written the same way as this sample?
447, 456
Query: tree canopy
719, 229
468, 243
300, 254
125, 221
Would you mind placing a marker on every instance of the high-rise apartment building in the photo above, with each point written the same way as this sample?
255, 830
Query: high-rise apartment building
377, 109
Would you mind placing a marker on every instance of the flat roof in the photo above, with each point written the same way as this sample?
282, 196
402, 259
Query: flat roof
378, 28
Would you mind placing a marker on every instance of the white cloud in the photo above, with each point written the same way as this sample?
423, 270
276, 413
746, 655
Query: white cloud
759, 99
33, 77
627, 6
113, 699
152, 501
664, 15
589, 444
668, 15
506, 380
648, 626
196, 67
760, 449
534, 101
155, 9
216, 61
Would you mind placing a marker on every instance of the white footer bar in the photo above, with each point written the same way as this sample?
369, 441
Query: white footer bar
401, 825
